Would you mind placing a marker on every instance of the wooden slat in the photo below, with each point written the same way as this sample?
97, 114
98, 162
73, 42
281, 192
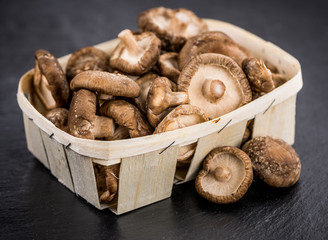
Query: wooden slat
229, 136
83, 177
277, 121
57, 160
146, 178
34, 141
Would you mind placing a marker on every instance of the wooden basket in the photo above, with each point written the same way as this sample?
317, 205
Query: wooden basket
148, 164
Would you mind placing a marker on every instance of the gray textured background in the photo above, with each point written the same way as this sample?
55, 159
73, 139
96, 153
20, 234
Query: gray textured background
35, 206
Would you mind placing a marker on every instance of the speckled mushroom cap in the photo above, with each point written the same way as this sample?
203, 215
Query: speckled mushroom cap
274, 161
226, 176
82, 119
211, 42
59, 117
127, 115
168, 65
173, 27
135, 54
49, 81
87, 58
106, 83
259, 76
215, 83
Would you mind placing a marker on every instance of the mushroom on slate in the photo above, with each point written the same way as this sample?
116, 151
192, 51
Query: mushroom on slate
135, 54
49, 81
180, 117
161, 97
106, 83
59, 117
87, 58
168, 65
107, 181
173, 27
127, 115
211, 42
82, 119
274, 161
215, 83
226, 176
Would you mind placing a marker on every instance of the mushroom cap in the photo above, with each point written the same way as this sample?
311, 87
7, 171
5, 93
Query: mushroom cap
259, 76
226, 176
211, 42
139, 59
168, 65
173, 27
127, 115
215, 83
82, 114
144, 83
59, 117
50, 81
274, 161
87, 58
106, 83
182, 116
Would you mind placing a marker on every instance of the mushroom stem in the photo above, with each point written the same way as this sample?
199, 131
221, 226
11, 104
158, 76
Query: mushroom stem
222, 174
130, 42
213, 90
178, 98
104, 127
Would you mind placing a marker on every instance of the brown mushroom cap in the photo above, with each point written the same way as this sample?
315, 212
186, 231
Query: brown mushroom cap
168, 65
127, 115
107, 181
274, 161
226, 176
211, 42
87, 58
82, 119
135, 54
259, 76
50, 82
106, 83
173, 27
180, 117
59, 117
215, 83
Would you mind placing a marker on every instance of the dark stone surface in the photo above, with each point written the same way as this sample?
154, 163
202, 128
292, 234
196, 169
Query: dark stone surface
35, 206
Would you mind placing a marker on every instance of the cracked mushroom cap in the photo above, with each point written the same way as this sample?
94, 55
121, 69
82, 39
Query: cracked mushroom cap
84, 59
106, 83
168, 66
59, 117
226, 176
215, 83
135, 54
82, 119
173, 27
127, 115
274, 161
211, 42
180, 117
259, 76
49, 81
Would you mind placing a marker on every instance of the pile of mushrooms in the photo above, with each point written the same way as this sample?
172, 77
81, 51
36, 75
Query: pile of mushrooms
170, 74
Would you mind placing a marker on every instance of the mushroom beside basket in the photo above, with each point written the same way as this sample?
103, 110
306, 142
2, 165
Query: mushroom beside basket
145, 167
